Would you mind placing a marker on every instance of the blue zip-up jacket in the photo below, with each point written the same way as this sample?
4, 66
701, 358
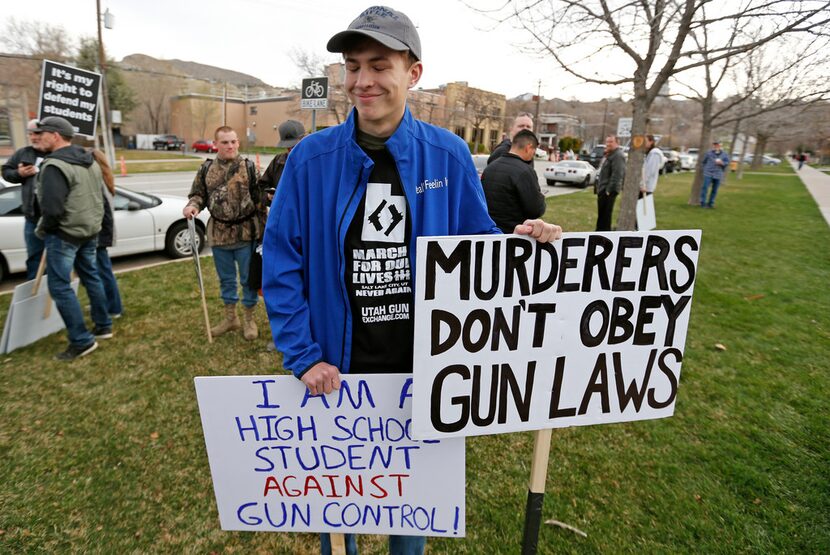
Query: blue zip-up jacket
323, 182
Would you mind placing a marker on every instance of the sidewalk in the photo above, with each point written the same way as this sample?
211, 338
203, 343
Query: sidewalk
818, 183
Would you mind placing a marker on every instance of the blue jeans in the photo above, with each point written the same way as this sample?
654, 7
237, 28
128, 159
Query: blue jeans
226, 261
102, 258
398, 545
715, 182
61, 256
34, 249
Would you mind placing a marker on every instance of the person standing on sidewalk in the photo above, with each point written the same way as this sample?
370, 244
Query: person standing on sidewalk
72, 208
227, 187
22, 168
714, 162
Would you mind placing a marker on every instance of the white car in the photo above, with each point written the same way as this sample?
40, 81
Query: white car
541, 154
574, 172
143, 223
480, 162
687, 161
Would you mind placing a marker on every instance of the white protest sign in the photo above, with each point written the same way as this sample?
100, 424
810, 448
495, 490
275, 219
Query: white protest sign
646, 218
512, 334
284, 460
32, 315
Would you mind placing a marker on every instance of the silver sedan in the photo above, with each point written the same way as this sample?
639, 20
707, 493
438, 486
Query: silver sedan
572, 172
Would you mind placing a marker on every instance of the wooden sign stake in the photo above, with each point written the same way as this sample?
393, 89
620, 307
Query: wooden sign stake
536, 491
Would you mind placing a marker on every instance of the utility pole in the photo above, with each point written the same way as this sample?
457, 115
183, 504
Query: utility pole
538, 103
109, 148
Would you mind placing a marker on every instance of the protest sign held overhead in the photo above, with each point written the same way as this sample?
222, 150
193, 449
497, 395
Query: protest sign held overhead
283, 460
70, 93
512, 334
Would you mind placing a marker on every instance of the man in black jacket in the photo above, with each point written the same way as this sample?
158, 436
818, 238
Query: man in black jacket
609, 182
511, 187
521, 122
72, 208
291, 131
22, 168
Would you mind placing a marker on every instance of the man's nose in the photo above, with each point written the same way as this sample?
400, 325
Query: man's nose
365, 79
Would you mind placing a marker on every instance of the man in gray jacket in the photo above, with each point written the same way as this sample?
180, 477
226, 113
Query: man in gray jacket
72, 208
610, 182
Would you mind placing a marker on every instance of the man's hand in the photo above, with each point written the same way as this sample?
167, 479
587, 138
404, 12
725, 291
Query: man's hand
539, 230
189, 211
26, 170
322, 378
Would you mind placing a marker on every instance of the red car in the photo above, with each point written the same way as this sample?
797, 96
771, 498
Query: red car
204, 146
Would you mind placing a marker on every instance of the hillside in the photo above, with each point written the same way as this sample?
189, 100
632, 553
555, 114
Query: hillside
193, 70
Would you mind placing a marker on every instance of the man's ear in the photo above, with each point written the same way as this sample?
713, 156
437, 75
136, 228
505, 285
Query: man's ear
415, 72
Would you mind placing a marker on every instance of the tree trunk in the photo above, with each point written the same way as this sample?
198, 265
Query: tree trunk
760, 147
702, 148
627, 219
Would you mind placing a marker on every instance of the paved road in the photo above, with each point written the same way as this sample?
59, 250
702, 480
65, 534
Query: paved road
178, 183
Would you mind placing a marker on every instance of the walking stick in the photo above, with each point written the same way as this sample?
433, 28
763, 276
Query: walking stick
191, 226
536, 491
41, 269
338, 544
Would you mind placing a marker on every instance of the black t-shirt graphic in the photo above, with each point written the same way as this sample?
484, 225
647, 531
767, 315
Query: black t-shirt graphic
378, 274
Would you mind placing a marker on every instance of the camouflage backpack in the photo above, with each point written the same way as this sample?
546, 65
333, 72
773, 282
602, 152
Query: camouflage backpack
222, 212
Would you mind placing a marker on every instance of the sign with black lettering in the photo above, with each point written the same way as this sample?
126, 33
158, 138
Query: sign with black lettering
314, 93
70, 93
283, 460
512, 334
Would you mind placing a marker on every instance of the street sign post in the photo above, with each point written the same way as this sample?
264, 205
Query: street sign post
314, 95
624, 127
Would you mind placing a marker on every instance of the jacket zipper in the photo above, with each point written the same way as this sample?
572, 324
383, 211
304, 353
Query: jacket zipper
341, 263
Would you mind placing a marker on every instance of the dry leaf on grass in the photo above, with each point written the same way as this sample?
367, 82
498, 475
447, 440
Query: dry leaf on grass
720, 346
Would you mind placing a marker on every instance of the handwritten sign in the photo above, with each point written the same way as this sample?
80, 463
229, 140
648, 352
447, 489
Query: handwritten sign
512, 334
70, 93
284, 460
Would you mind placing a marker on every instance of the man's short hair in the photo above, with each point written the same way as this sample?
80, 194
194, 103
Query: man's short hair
525, 137
612, 136
523, 115
222, 129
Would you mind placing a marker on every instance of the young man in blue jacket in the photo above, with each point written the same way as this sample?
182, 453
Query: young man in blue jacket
340, 239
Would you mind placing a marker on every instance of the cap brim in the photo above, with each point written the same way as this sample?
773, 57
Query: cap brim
288, 143
340, 41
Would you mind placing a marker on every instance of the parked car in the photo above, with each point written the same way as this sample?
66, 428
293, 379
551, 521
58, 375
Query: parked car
574, 172
204, 146
672, 158
541, 154
688, 161
767, 160
168, 142
480, 162
143, 223
595, 156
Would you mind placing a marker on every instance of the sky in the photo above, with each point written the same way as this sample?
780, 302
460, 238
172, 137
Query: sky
256, 37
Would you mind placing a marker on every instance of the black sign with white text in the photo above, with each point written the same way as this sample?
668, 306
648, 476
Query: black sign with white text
70, 93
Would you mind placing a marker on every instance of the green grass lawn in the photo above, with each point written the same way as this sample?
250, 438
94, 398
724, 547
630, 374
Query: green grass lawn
106, 454
132, 154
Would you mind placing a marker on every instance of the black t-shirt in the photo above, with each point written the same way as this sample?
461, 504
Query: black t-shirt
378, 273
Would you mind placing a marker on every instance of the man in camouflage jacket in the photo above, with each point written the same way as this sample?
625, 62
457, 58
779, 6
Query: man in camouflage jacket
227, 188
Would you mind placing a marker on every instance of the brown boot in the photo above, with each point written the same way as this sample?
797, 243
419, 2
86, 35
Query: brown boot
249, 330
230, 323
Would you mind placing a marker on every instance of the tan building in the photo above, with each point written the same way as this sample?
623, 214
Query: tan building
475, 115
551, 127
256, 119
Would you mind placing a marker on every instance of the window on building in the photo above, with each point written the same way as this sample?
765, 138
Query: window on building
494, 136
5, 128
459, 131
253, 110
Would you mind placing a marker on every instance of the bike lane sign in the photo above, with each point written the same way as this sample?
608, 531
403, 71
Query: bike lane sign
314, 93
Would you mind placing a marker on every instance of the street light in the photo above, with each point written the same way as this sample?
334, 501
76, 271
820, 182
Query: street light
109, 22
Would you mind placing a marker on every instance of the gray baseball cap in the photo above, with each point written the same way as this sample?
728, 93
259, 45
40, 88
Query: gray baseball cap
291, 132
391, 28
56, 124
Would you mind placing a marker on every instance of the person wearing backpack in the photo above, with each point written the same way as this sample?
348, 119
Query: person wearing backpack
227, 188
